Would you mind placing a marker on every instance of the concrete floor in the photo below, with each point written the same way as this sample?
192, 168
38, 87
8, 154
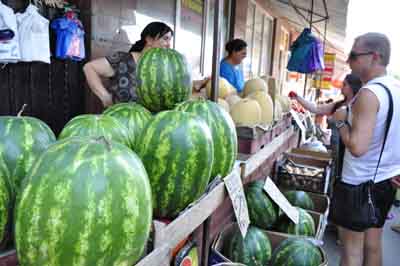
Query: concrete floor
391, 244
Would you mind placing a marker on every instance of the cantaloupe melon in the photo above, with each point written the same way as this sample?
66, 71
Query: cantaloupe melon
278, 114
255, 84
232, 99
284, 101
223, 104
246, 112
225, 88
266, 104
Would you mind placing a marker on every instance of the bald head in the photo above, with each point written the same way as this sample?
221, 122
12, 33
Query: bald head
376, 42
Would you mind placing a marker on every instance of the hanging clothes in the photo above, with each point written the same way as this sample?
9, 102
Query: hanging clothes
9, 43
306, 54
33, 32
70, 42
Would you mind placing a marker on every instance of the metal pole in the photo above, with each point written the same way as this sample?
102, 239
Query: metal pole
311, 23
219, 6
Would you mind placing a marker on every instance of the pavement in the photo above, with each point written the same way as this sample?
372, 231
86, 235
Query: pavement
391, 243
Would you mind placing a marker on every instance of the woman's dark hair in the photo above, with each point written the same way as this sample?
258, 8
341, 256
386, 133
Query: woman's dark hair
355, 84
235, 46
153, 30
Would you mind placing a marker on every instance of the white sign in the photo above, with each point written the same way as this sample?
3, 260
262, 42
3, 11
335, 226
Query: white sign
277, 196
298, 121
234, 186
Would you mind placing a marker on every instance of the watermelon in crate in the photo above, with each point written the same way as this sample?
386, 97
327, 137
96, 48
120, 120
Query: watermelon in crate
223, 133
263, 211
253, 250
131, 115
87, 201
164, 79
299, 199
305, 227
177, 151
297, 251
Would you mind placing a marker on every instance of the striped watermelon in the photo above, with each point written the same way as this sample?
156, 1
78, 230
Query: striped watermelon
299, 199
263, 211
87, 202
223, 132
164, 79
296, 251
305, 227
177, 151
5, 201
133, 116
22, 140
96, 126
254, 250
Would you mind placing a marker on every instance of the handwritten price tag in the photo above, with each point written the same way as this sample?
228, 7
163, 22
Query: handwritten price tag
277, 196
298, 121
234, 186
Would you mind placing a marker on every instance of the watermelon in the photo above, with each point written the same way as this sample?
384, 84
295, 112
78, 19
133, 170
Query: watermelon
296, 251
22, 140
164, 79
305, 227
223, 133
299, 199
177, 151
96, 126
254, 250
5, 202
263, 212
133, 116
87, 201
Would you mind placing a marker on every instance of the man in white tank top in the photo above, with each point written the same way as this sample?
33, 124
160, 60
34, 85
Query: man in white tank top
363, 137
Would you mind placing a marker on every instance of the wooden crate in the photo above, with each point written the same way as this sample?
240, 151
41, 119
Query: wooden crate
275, 238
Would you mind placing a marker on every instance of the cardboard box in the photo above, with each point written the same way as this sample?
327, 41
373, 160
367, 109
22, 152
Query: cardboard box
275, 238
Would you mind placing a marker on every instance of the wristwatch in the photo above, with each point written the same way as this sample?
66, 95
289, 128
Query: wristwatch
341, 123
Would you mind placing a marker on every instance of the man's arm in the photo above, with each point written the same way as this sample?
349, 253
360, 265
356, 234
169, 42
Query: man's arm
358, 137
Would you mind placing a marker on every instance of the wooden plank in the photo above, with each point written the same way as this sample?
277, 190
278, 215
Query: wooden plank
256, 160
159, 257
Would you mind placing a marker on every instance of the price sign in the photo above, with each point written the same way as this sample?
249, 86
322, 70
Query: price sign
300, 124
277, 196
234, 186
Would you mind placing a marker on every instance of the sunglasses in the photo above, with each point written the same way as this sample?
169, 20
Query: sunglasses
355, 55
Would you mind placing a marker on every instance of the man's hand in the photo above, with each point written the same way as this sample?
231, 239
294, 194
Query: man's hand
396, 181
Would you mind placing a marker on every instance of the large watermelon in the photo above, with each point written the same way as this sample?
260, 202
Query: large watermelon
263, 212
164, 79
296, 251
305, 227
299, 199
87, 201
177, 151
133, 116
96, 126
254, 250
22, 140
223, 132
5, 201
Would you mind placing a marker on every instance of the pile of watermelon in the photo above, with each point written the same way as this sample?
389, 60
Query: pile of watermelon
89, 197
256, 249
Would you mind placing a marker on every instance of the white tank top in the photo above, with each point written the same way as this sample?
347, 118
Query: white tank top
357, 170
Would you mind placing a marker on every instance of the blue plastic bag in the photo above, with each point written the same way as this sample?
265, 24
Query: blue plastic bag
306, 54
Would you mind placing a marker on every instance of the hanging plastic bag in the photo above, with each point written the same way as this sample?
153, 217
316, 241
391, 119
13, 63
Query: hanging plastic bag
306, 52
33, 32
70, 42
9, 44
